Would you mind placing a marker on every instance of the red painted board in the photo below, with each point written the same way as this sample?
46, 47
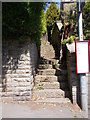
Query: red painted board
89, 56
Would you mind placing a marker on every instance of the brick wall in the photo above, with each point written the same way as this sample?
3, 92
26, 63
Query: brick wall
19, 62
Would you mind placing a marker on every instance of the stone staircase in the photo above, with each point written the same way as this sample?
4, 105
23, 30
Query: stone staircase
50, 84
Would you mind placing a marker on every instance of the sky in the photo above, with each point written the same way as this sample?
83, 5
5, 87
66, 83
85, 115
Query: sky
47, 5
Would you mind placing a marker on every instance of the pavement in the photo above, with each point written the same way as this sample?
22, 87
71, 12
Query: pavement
40, 110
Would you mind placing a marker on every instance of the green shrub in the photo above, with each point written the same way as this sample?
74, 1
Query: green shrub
69, 40
21, 19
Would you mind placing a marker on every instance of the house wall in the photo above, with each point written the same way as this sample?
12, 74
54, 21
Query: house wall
18, 62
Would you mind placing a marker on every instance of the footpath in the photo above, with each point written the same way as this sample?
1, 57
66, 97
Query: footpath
39, 110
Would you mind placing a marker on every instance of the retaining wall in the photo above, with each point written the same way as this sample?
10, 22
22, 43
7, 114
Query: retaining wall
73, 78
18, 69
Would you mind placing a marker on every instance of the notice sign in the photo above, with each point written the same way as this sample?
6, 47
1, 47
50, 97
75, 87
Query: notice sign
82, 56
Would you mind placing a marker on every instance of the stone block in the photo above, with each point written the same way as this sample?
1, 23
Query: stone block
47, 72
21, 98
7, 94
44, 78
20, 89
15, 76
51, 93
48, 85
25, 93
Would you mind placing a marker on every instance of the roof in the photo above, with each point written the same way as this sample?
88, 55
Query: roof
59, 24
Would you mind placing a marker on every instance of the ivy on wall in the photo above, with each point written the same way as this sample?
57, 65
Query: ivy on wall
14, 19
20, 19
36, 12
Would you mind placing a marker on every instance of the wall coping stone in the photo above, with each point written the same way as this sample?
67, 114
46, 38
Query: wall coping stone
71, 47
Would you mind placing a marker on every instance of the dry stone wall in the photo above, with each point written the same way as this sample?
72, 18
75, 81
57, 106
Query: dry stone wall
19, 62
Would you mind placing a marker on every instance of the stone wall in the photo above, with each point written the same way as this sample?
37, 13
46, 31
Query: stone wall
73, 78
19, 62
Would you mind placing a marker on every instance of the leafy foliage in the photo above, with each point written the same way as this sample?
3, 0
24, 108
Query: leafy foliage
71, 15
23, 19
52, 14
14, 19
72, 18
70, 40
44, 23
86, 20
36, 14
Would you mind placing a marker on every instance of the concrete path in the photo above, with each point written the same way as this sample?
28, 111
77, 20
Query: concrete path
38, 110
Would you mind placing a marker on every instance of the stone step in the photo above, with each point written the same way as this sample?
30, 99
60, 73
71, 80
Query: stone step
46, 72
53, 100
44, 78
49, 78
53, 85
48, 85
49, 93
56, 72
45, 66
47, 61
51, 53
48, 48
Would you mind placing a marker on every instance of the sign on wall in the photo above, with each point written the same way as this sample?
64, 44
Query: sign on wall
82, 56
